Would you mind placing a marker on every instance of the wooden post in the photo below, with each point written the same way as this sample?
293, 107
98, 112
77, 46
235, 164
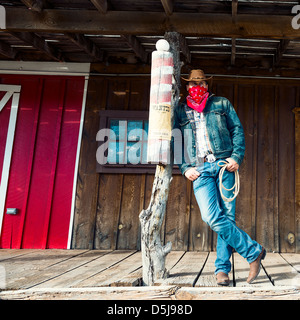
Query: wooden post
297, 176
153, 252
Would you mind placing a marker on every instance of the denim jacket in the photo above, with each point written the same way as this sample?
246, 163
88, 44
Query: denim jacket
225, 132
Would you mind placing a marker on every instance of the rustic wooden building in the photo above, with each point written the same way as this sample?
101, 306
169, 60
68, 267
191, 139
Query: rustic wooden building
75, 67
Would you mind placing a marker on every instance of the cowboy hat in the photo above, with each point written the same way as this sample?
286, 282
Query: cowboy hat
197, 75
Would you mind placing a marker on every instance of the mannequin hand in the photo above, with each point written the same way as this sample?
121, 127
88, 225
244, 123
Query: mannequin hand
232, 165
192, 174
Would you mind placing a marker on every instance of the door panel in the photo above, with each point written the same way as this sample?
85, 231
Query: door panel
43, 161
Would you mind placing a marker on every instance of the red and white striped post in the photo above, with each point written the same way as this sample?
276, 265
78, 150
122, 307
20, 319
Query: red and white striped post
160, 127
165, 88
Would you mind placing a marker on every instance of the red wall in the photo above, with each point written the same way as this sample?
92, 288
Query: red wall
43, 160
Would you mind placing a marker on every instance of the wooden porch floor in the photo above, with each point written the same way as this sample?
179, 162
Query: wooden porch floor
54, 269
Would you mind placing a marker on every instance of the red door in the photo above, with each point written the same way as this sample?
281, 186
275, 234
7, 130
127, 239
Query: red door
41, 176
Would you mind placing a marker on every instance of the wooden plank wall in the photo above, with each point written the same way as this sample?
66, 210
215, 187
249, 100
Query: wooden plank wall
108, 205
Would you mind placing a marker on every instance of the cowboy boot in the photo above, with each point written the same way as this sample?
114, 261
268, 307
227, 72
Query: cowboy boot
255, 266
222, 279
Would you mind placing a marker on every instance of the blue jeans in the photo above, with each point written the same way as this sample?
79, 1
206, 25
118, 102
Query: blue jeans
220, 216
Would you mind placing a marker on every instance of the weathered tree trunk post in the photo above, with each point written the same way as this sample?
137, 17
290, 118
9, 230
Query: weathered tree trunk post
153, 253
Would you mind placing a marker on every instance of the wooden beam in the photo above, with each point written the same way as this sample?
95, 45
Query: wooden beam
233, 51
37, 5
101, 5
7, 51
184, 48
168, 6
39, 43
151, 23
234, 7
86, 45
256, 67
136, 46
282, 46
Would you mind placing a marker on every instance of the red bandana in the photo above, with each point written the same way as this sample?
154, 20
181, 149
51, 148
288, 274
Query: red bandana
197, 98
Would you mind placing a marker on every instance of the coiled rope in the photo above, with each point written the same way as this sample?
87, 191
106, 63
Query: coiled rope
236, 186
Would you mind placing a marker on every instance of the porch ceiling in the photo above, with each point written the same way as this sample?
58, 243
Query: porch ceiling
240, 37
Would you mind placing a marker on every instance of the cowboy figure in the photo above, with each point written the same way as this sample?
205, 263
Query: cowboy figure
213, 135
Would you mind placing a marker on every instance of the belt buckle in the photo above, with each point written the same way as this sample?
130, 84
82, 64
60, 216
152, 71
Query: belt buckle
210, 158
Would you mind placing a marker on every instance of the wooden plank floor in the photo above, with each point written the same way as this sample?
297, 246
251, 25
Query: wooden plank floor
25, 269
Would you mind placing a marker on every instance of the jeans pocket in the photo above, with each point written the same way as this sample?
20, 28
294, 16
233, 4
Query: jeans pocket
197, 179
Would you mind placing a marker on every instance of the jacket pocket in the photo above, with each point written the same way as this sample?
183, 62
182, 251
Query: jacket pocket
220, 135
219, 117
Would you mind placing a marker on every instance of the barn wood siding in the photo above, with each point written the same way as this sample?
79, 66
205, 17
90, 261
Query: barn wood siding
108, 205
